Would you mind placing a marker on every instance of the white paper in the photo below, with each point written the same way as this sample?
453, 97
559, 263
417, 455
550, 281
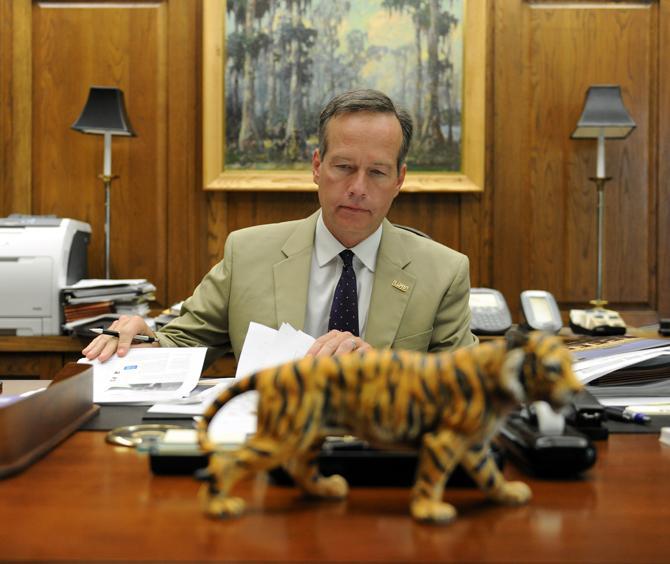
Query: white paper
636, 403
105, 283
651, 408
265, 347
195, 403
230, 428
589, 370
147, 375
231, 425
236, 420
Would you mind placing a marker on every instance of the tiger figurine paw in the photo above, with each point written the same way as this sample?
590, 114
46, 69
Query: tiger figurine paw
431, 511
331, 487
222, 507
512, 493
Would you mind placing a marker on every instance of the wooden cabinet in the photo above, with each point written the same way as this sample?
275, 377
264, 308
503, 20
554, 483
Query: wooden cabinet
41, 357
37, 357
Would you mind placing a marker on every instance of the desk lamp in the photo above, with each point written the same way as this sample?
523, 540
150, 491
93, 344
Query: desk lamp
604, 117
105, 114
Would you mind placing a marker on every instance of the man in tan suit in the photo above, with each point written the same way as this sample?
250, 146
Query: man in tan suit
408, 291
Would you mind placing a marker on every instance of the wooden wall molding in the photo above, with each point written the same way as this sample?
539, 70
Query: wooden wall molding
663, 200
15, 119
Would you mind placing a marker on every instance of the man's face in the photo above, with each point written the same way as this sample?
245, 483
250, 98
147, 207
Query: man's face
358, 177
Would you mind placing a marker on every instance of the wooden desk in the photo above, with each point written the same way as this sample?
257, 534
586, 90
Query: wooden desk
89, 500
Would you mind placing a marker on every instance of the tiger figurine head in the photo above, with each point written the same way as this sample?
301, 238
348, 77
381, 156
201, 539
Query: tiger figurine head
448, 406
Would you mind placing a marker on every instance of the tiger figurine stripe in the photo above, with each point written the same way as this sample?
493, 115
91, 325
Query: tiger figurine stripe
446, 405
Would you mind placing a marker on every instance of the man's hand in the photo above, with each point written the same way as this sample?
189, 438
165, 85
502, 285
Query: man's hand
337, 342
104, 346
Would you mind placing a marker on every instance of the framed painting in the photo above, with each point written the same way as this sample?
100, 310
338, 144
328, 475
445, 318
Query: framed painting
269, 66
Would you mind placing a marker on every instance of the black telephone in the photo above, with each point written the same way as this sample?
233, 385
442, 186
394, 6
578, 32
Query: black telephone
490, 314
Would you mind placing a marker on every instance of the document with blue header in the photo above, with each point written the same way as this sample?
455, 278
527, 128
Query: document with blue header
147, 375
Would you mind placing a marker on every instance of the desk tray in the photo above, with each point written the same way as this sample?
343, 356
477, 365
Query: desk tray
33, 425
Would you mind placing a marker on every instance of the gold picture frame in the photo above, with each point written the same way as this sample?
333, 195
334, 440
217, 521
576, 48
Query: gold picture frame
215, 177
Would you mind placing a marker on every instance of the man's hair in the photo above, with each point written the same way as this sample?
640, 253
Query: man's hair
366, 101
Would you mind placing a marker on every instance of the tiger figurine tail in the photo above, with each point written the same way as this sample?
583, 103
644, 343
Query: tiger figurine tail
448, 406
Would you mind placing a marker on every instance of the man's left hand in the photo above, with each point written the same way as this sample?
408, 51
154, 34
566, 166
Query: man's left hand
336, 343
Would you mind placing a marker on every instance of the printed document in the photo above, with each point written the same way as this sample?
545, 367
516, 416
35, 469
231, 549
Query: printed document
147, 375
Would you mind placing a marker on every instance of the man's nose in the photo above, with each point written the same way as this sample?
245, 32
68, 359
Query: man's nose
359, 184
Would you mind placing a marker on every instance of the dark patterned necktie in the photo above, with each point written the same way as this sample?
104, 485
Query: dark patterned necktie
344, 311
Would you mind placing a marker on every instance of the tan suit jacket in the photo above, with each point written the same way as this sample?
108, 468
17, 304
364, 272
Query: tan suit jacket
419, 297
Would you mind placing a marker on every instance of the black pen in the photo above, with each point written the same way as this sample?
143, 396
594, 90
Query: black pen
140, 338
620, 414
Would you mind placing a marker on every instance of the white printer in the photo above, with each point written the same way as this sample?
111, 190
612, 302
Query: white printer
39, 255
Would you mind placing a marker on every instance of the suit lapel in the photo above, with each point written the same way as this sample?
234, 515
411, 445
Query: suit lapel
291, 275
391, 291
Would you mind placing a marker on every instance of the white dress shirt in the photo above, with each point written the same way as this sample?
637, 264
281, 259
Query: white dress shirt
325, 273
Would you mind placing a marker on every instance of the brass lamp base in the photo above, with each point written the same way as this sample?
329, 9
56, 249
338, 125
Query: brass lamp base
107, 180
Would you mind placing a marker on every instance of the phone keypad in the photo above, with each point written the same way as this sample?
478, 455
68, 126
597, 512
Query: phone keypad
489, 321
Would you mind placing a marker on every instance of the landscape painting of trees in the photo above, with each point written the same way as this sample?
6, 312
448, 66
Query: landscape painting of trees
286, 58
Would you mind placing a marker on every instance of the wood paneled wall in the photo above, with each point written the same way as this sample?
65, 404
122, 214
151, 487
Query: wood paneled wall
547, 54
533, 226
52, 52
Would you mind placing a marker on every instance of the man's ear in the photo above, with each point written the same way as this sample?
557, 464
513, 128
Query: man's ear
401, 178
316, 166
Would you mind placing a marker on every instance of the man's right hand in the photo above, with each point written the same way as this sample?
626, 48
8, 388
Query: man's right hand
104, 346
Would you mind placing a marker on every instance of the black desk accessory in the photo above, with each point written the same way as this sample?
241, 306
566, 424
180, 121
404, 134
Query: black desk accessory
664, 327
587, 415
564, 455
358, 463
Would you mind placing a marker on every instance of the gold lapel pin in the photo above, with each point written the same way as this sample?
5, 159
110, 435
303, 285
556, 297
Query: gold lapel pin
402, 287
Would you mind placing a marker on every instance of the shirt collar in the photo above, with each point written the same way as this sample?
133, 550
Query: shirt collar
328, 247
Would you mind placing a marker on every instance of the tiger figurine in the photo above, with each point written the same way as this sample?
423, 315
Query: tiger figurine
448, 406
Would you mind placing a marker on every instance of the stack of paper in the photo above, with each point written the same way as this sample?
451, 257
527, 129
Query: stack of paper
624, 370
168, 315
90, 299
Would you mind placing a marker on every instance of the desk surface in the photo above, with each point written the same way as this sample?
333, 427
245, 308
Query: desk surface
89, 500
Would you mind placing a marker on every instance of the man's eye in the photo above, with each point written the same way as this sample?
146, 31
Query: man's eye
343, 167
376, 172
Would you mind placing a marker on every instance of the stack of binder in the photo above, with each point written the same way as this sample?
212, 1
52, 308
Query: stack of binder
168, 315
623, 370
92, 299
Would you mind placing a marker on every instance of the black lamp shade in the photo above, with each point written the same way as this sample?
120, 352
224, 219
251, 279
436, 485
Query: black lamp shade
604, 111
104, 112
